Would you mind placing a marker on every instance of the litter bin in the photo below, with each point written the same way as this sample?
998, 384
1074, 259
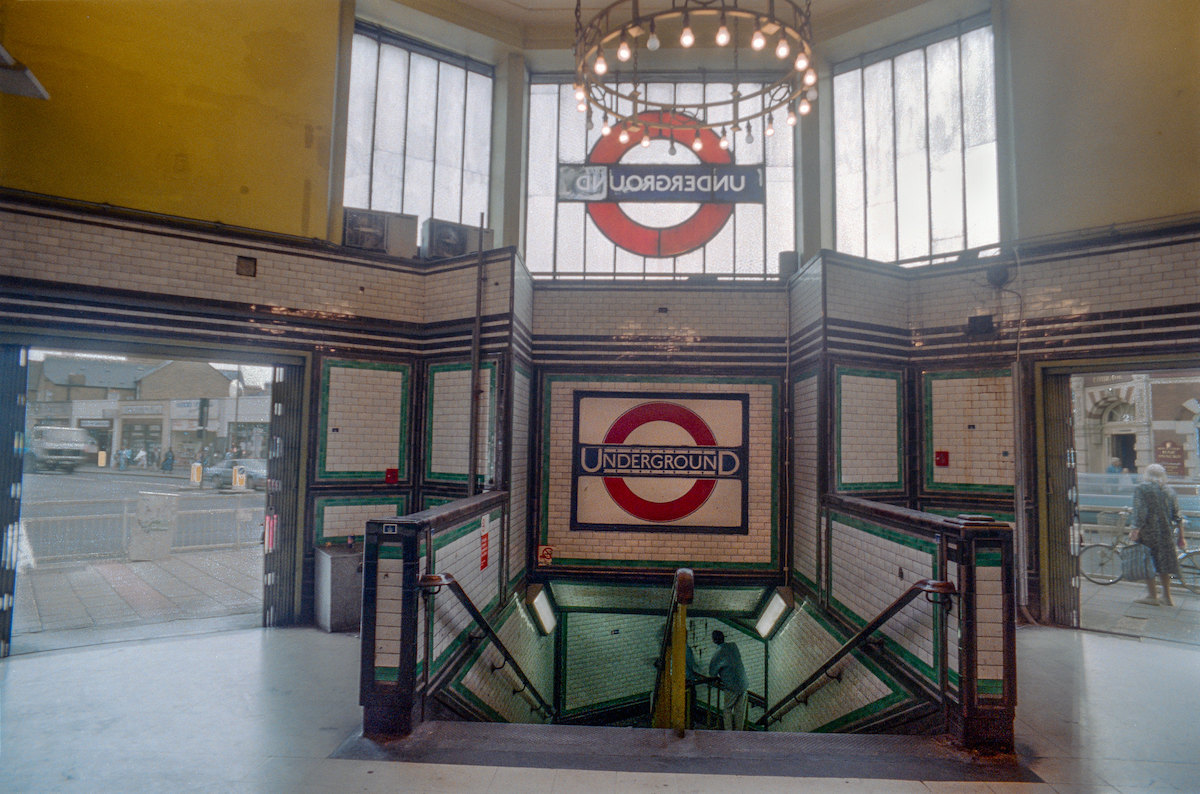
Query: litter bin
339, 588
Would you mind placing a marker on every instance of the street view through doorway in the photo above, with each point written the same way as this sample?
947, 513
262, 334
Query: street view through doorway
142, 498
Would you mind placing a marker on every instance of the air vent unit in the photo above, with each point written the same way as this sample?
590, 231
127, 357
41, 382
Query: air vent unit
441, 239
386, 232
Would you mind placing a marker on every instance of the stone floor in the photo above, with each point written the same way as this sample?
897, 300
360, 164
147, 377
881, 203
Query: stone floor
266, 710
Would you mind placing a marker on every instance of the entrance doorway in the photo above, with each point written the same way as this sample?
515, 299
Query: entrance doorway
1123, 421
158, 528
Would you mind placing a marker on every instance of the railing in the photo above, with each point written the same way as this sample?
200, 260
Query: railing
969, 664
412, 646
101, 529
669, 707
942, 590
433, 581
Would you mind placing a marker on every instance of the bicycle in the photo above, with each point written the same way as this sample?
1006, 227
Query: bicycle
1101, 563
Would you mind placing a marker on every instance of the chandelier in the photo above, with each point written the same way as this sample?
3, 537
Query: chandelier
767, 42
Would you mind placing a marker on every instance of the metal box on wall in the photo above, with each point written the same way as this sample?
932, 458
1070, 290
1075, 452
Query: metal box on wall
441, 239
391, 233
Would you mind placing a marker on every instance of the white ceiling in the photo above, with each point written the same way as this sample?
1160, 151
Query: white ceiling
543, 30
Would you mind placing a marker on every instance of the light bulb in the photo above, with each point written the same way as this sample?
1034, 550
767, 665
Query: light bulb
811, 94
582, 106
782, 48
810, 77
722, 33
801, 61
791, 119
724, 142
624, 52
591, 125
645, 142
624, 136
601, 65
671, 148
697, 144
686, 37
804, 107
652, 42
749, 134
770, 129
605, 130
758, 40
579, 92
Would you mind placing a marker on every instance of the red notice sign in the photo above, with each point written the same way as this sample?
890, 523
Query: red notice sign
483, 551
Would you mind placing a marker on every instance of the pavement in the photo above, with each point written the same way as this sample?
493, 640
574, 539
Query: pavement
90, 602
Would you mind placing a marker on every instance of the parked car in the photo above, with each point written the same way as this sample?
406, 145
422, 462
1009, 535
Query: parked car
220, 474
61, 448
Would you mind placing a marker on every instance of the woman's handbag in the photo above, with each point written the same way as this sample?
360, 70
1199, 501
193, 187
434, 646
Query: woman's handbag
1137, 563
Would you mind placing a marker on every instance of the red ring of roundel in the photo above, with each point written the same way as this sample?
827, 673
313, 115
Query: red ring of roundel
625, 232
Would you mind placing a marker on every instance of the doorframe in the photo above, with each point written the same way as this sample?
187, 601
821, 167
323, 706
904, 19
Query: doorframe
1042, 371
292, 489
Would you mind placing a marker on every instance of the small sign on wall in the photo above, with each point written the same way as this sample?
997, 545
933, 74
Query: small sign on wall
660, 462
941, 458
483, 551
545, 555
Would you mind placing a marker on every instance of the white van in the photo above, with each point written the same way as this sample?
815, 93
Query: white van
61, 448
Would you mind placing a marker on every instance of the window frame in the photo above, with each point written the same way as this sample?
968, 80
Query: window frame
952, 32
769, 269
385, 36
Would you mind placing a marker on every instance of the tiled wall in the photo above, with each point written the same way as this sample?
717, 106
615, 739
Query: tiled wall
1124, 276
868, 420
488, 682
338, 518
451, 288
364, 423
691, 315
448, 427
870, 567
608, 658
87, 250
758, 549
805, 485
866, 292
989, 624
969, 417
518, 530
798, 648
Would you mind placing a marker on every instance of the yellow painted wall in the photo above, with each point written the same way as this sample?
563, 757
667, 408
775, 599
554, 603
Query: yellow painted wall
218, 110
1106, 111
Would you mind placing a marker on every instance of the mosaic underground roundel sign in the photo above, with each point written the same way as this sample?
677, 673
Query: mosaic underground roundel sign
714, 184
661, 464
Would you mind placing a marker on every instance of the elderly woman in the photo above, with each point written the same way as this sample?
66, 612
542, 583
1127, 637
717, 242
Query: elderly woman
1156, 522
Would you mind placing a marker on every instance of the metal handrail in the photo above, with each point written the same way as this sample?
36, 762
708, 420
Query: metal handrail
940, 588
683, 590
432, 581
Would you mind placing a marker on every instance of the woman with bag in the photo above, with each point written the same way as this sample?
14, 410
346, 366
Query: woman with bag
1155, 522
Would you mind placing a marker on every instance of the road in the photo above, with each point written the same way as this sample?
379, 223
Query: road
91, 514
